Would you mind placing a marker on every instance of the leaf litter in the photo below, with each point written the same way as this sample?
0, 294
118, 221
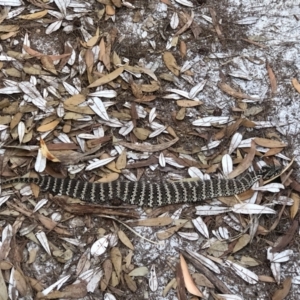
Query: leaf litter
89, 102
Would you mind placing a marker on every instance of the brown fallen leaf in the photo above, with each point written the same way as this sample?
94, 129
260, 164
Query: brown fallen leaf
104, 55
34, 16
272, 78
232, 92
161, 221
181, 294
171, 63
107, 78
183, 49
287, 238
269, 143
188, 103
107, 268
189, 21
296, 84
148, 148
116, 258
125, 240
48, 126
130, 283
280, 294
121, 161
188, 281
165, 234
295, 206
46, 152
245, 164
241, 243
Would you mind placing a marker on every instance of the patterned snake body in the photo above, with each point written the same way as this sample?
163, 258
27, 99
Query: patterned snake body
149, 194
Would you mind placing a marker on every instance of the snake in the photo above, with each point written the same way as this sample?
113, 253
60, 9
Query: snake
142, 193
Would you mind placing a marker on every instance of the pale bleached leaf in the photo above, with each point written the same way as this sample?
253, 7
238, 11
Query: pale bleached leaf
229, 297
201, 226
279, 257
40, 163
197, 89
157, 132
191, 236
174, 20
227, 164
185, 3
172, 162
21, 131
276, 268
195, 173
98, 107
207, 210
57, 285
96, 163
222, 233
209, 121
242, 272
100, 246
153, 283
182, 93
129, 175
53, 27
235, 141
271, 187
41, 236
40, 204
11, 2
249, 208
204, 261
105, 94
152, 115
211, 145
127, 128
161, 160
109, 296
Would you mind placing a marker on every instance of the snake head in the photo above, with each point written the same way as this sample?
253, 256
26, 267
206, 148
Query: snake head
268, 172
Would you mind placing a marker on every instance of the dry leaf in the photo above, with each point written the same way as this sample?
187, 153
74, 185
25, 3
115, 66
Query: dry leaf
141, 133
272, 78
116, 258
107, 78
241, 243
182, 48
188, 281
188, 103
161, 221
149, 148
282, 293
46, 153
130, 283
296, 84
295, 206
49, 126
245, 164
232, 92
125, 240
34, 16
171, 63
121, 161
269, 143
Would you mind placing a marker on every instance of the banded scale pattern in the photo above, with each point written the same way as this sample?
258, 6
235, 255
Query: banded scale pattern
148, 194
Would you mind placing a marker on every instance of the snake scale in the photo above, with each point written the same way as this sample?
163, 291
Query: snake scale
149, 194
